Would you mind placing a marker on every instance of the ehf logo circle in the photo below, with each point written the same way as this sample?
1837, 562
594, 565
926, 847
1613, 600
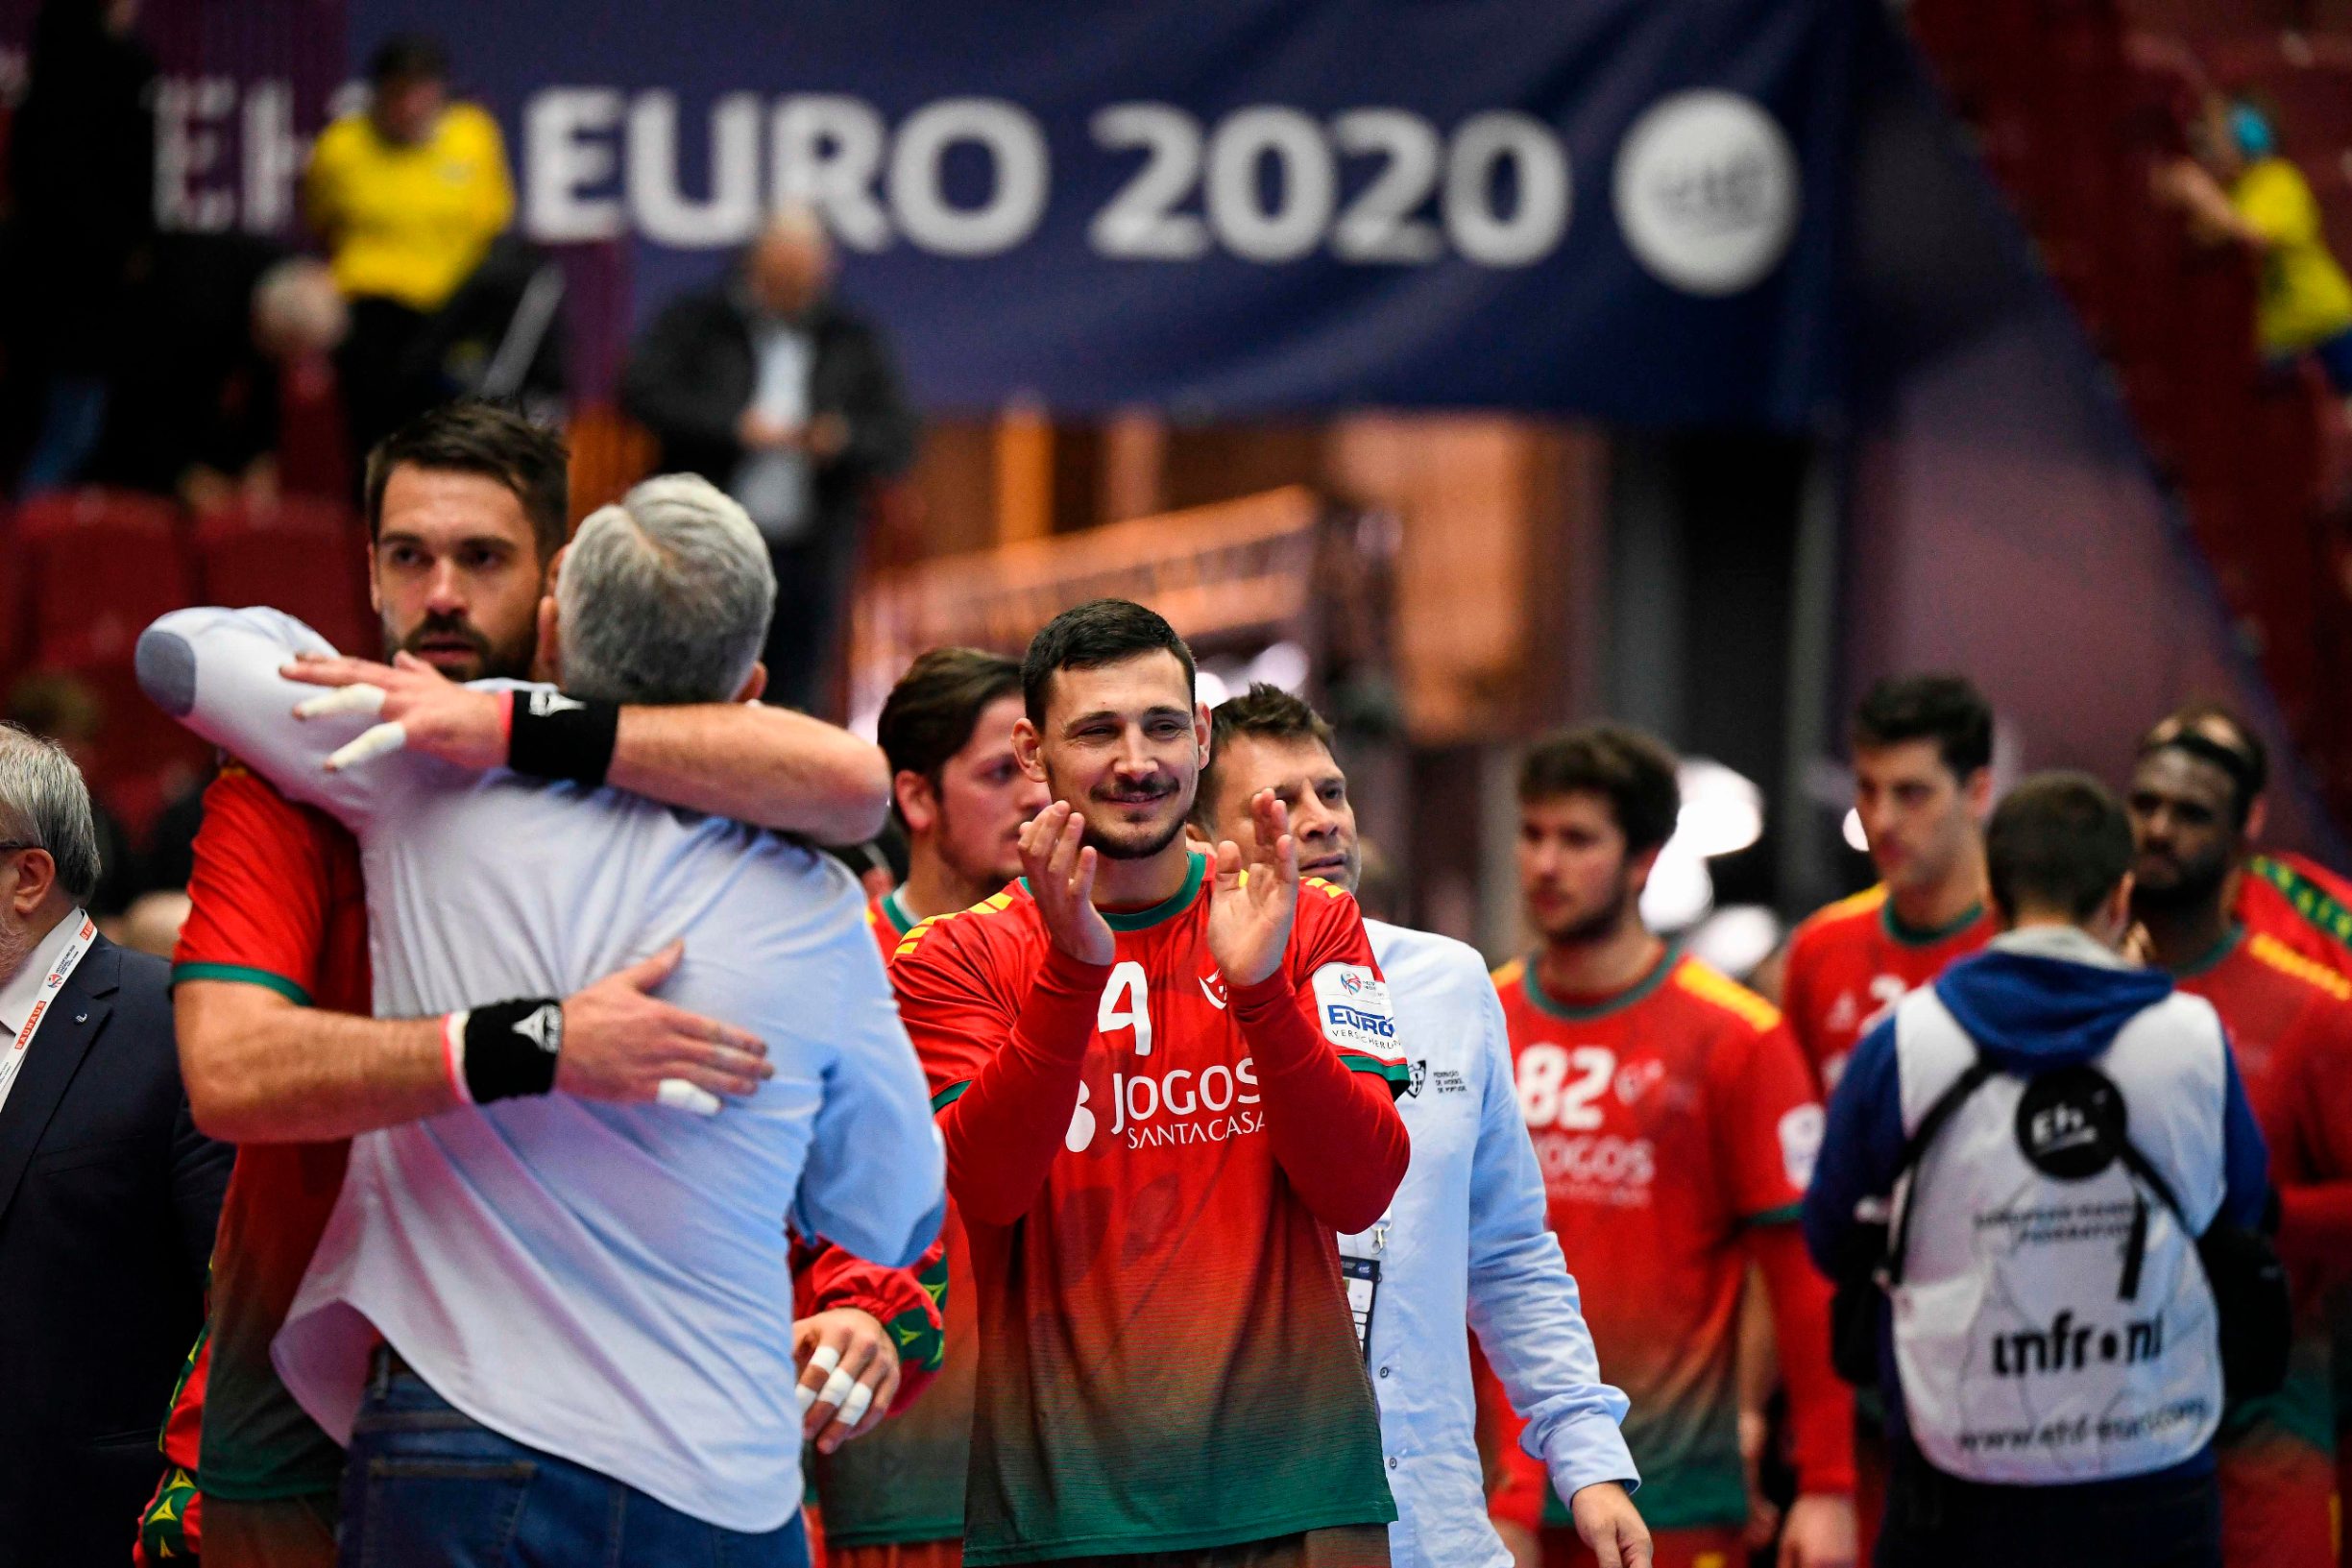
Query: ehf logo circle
1707, 192
2071, 1122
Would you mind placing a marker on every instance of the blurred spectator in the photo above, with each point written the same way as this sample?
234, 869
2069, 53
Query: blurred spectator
502, 336
171, 841
81, 166
765, 386
231, 328
408, 195
2240, 190
152, 924
59, 708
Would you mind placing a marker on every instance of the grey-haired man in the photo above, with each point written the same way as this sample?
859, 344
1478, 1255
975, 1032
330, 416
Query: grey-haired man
590, 1294
107, 1192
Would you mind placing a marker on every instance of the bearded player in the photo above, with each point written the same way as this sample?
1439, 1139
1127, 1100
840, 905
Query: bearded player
1676, 1127
2290, 1022
895, 1499
1163, 1087
2272, 892
467, 508
1922, 782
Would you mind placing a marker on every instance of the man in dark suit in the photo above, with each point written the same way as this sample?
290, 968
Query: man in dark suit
789, 403
107, 1192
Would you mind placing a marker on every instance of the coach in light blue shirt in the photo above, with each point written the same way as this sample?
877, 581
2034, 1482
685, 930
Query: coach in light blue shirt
592, 1294
1464, 1240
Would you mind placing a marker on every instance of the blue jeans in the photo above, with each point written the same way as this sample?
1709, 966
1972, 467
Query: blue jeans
428, 1486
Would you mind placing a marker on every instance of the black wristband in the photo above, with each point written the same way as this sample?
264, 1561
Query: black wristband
511, 1047
550, 736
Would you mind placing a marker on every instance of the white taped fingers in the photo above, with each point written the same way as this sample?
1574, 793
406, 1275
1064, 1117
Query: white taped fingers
383, 738
681, 1096
360, 698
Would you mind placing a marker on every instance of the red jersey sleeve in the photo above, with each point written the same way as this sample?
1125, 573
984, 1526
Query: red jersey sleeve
1340, 985
1797, 997
1769, 1131
2312, 1164
1325, 1036
907, 1302
1001, 1026
260, 892
956, 1009
1767, 1120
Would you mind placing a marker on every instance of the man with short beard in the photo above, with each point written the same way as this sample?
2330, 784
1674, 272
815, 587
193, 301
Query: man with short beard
1677, 1129
1161, 1090
2274, 892
592, 1296
467, 510
2290, 1023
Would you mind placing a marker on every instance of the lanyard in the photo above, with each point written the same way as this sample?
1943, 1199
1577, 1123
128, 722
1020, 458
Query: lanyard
51, 983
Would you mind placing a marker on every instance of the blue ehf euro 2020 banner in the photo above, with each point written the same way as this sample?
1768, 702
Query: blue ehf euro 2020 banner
1619, 209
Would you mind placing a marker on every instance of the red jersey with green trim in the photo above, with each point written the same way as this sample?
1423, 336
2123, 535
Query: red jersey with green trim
276, 901
1664, 1119
1167, 1360
2300, 904
2290, 1022
903, 1481
1849, 964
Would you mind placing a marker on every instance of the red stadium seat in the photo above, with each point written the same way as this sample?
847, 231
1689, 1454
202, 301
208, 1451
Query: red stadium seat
88, 569
304, 556
91, 568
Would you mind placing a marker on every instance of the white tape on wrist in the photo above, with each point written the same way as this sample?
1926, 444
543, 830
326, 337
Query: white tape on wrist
681, 1096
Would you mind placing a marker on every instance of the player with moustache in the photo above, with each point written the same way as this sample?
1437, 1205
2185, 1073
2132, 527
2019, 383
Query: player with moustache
1465, 1236
1163, 1086
2290, 1025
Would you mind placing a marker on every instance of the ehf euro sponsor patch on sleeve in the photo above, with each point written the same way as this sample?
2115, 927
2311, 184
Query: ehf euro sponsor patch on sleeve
1801, 1131
1351, 1003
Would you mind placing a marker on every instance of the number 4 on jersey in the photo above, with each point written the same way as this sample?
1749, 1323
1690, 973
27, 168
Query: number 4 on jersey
1125, 1004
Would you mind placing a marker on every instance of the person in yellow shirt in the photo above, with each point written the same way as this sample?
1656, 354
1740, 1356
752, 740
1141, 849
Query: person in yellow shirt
2241, 191
407, 196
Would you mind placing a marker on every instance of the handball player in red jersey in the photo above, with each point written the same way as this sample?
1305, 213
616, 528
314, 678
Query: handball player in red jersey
895, 1498
2308, 909
467, 508
1922, 782
1676, 1126
1163, 1086
2290, 1022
